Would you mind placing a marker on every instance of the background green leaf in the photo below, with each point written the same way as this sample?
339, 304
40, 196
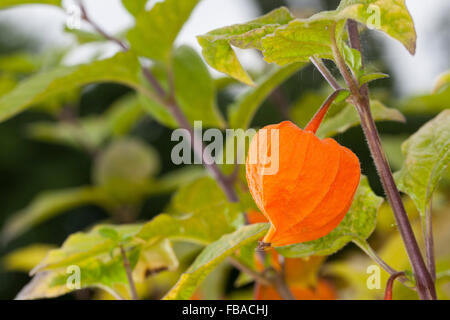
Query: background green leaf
10, 3
157, 29
48, 205
197, 98
123, 68
243, 110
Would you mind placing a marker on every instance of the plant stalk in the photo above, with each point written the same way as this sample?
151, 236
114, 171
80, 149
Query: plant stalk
126, 264
425, 284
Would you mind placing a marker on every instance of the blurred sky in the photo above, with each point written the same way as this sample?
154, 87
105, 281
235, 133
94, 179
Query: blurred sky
411, 74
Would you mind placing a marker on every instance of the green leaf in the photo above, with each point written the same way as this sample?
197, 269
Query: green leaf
244, 109
194, 88
157, 29
212, 256
123, 68
7, 83
18, 63
427, 155
348, 118
109, 233
357, 225
135, 7
371, 77
11, 3
217, 48
48, 205
390, 17
352, 58
200, 214
175, 179
123, 115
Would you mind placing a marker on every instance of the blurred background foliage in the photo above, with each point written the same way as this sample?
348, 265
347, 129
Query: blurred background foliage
96, 137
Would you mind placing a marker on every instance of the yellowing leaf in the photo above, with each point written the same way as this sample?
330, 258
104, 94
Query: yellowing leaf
212, 256
284, 41
389, 16
303, 38
217, 49
154, 259
25, 259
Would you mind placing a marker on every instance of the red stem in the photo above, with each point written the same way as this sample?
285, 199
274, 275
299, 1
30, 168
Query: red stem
316, 120
390, 285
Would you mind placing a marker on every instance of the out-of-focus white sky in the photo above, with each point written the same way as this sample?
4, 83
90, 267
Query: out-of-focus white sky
411, 74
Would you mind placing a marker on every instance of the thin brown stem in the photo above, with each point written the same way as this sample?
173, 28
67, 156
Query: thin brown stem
268, 278
126, 264
318, 63
429, 242
85, 17
173, 107
364, 246
258, 277
282, 288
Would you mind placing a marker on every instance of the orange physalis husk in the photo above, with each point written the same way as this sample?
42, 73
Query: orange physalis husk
322, 291
313, 188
